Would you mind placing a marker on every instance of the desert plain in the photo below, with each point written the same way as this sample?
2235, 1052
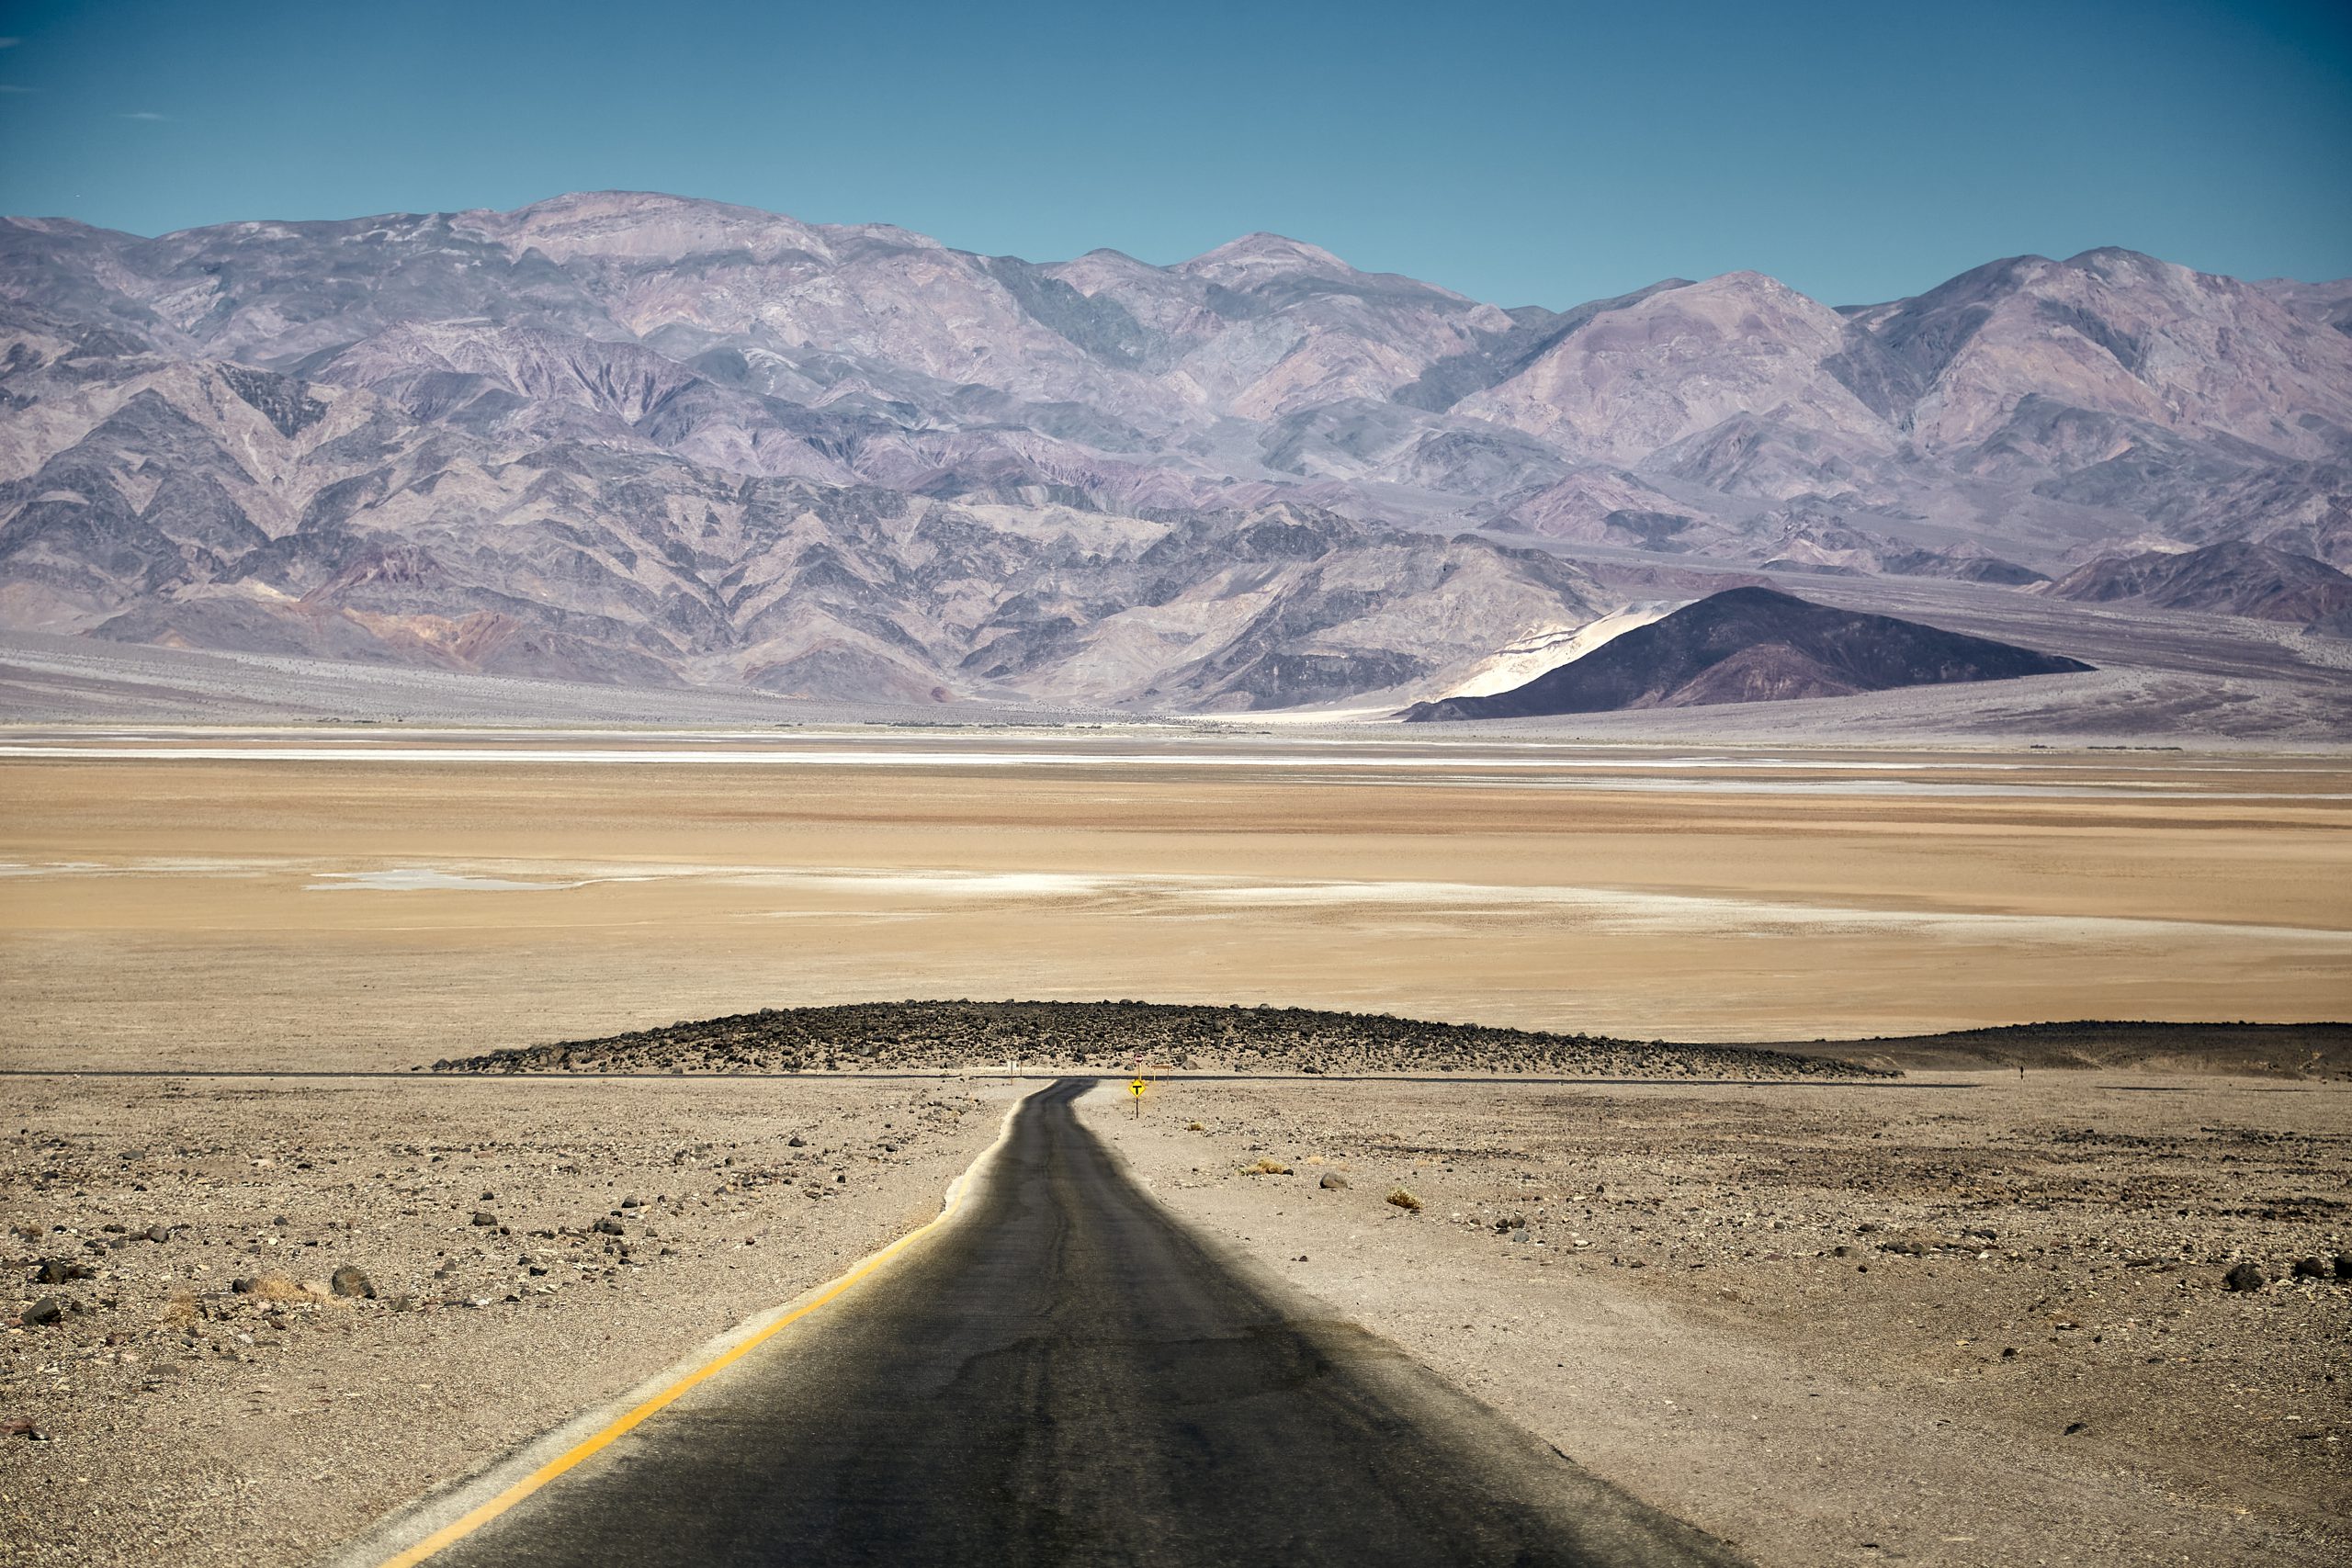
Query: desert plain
1969, 1316
290, 899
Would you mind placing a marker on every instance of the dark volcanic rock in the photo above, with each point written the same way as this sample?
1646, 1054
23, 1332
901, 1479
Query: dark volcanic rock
2246, 1277
2233, 579
1110, 1036
1749, 644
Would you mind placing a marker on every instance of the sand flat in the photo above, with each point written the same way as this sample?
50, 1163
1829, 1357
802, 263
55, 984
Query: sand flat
236, 905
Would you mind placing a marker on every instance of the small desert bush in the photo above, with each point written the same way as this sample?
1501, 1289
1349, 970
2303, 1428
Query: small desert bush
278, 1288
1405, 1200
1268, 1168
180, 1311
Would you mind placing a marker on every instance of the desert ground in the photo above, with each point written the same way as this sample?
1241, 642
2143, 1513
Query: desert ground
188, 1419
1971, 1320
316, 898
191, 919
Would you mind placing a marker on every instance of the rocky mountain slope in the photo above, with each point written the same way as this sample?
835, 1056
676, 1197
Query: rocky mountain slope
643, 439
2233, 579
1753, 645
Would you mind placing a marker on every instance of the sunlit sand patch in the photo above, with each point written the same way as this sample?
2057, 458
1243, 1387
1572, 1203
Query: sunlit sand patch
144, 867
944, 884
1620, 909
424, 879
1667, 913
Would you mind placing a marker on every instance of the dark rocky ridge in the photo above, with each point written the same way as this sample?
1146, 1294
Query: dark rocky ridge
1111, 1037
1749, 644
2302, 1051
2231, 579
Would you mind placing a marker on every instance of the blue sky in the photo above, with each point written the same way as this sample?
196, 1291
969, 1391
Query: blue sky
1521, 153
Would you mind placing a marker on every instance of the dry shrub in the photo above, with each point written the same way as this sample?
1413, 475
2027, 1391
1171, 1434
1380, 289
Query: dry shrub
1405, 1200
180, 1311
1268, 1167
278, 1288
1194, 1127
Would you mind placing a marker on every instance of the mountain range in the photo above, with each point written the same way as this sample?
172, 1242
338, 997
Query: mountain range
646, 440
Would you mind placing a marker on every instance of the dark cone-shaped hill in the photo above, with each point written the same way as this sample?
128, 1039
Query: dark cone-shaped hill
1116, 1037
1754, 645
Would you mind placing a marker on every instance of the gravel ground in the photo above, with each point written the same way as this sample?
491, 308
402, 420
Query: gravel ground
183, 1420
1977, 1325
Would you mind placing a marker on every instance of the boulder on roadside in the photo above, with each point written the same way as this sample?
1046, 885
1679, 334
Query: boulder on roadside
352, 1280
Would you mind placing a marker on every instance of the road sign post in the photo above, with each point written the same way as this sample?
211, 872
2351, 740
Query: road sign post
1136, 1089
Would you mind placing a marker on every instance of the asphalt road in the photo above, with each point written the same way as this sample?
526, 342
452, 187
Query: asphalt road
1064, 1374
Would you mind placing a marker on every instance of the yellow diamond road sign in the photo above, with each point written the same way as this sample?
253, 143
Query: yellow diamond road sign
1136, 1089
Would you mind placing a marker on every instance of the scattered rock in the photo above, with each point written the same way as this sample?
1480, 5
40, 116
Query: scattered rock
1333, 1182
930, 1035
609, 1226
2344, 1265
23, 1427
484, 1217
2246, 1277
2310, 1268
352, 1280
46, 1310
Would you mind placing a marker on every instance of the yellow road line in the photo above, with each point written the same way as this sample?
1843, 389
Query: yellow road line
588, 1448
